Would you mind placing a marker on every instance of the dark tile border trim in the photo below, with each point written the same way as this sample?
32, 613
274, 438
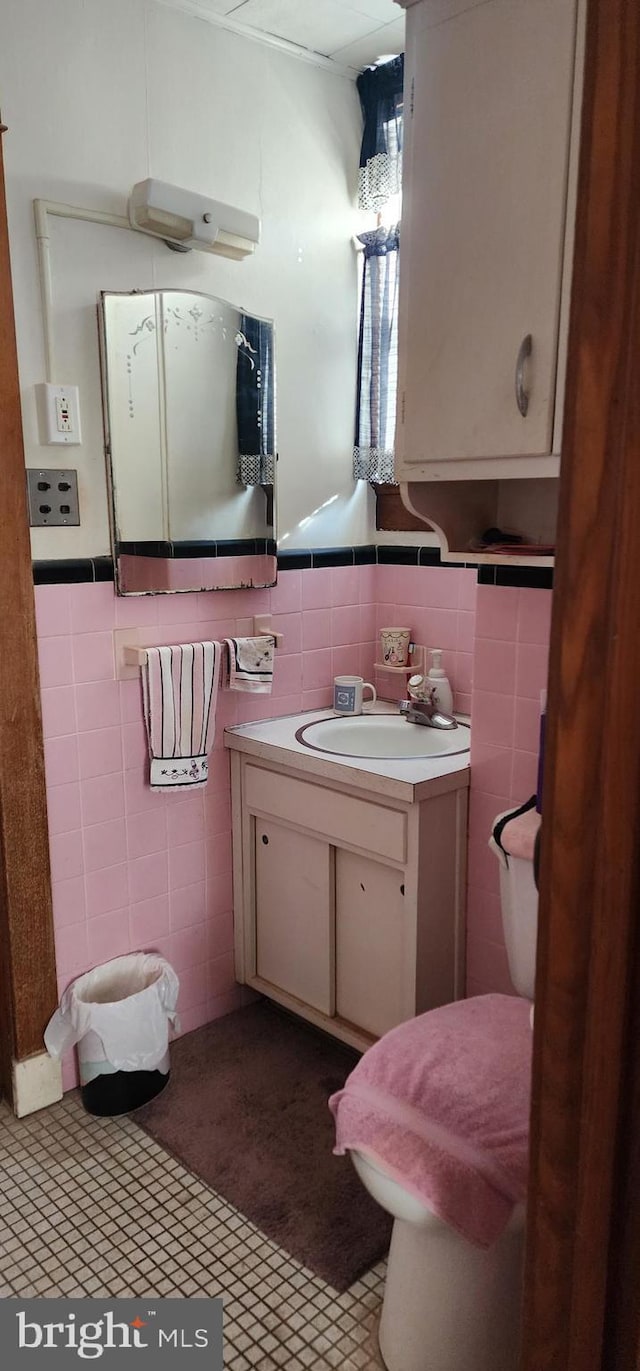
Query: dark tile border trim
365, 555
332, 556
74, 570
535, 577
103, 568
398, 556
150, 548
305, 558
224, 547
294, 559
531, 577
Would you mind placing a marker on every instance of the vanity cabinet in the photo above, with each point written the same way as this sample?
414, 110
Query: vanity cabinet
292, 912
492, 112
348, 907
370, 914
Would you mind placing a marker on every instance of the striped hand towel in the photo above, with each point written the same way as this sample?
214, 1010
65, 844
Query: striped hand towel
180, 688
250, 664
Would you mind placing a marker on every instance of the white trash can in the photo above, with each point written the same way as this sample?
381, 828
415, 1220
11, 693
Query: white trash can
119, 1016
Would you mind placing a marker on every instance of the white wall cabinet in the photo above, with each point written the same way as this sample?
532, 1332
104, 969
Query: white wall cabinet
492, 104
348, 910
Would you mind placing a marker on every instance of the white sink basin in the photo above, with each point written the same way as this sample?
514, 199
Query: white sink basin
382, 736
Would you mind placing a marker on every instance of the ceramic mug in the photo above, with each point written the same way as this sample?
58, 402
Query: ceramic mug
347, 694
394, 643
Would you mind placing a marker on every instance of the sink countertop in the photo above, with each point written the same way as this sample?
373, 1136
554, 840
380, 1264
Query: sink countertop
408, 778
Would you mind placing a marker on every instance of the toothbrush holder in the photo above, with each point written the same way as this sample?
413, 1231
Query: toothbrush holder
394, 646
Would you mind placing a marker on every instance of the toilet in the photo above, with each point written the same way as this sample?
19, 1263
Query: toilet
450, 1304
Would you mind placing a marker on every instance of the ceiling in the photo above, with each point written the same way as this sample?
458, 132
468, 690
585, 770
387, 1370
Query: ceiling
352, 33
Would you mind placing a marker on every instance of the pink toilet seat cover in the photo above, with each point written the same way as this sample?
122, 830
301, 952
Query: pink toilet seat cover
441, 1104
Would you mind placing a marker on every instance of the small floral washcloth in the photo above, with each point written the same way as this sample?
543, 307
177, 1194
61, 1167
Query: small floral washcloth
250, 664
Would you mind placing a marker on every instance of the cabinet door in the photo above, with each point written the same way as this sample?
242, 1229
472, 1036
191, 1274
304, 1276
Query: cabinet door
370, 943
294, 913
483, 227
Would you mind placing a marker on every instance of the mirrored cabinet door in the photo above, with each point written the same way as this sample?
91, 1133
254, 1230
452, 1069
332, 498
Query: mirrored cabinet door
189, 396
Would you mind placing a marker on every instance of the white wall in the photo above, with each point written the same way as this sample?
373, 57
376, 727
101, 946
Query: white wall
99, 94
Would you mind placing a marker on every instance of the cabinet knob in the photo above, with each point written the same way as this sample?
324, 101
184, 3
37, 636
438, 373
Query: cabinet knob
522, 395
265, 839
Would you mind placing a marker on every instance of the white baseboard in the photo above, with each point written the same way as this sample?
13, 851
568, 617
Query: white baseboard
37, 1082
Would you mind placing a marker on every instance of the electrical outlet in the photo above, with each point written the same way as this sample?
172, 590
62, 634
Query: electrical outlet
63, 414
58, 413
53, 498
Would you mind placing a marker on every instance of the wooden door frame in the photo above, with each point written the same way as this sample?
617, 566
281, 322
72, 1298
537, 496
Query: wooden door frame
27, 958
582, 1301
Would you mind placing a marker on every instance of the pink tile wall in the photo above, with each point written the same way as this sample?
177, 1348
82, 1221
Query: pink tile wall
136, 870
438, 605
509, 670
133, 870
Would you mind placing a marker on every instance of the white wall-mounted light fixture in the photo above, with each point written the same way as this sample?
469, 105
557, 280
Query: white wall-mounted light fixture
187, 220
181, 218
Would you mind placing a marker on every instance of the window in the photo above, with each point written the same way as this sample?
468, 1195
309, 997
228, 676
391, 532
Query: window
379, 192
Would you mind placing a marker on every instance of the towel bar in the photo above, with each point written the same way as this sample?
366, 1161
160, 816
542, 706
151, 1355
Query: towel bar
262, 629
135, 656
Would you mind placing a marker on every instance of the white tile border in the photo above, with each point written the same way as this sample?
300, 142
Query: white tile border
37, 1083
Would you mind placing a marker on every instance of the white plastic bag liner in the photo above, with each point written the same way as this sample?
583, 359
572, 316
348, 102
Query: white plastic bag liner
119, 1014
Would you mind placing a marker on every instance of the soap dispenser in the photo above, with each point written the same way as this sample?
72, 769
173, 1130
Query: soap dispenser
437, 680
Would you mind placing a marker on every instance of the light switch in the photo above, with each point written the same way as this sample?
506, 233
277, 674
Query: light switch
53, 498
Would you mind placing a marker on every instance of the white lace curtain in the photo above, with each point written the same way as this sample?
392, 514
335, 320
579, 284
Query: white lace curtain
377, 357
380, 179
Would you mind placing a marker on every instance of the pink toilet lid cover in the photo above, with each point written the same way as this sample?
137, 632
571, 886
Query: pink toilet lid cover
441, 1104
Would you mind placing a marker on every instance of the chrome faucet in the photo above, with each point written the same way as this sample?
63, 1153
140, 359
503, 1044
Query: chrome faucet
425, 712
